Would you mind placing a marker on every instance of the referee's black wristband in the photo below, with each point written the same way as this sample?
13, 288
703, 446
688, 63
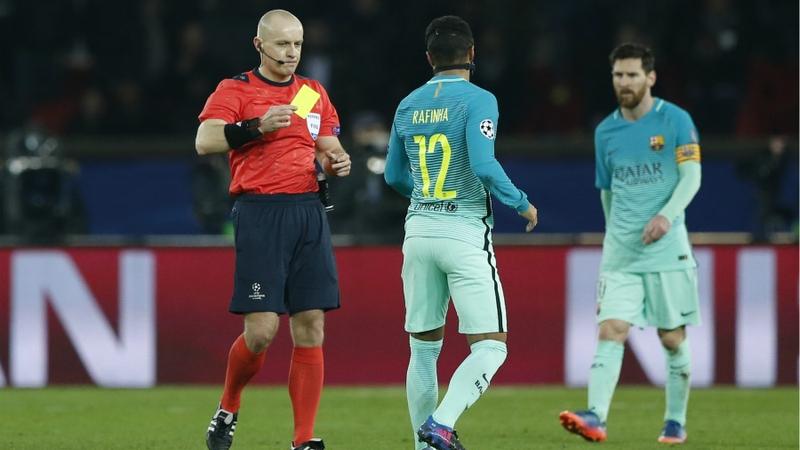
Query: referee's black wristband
238, 134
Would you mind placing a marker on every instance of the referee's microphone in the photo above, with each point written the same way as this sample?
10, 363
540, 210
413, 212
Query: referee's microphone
270, 57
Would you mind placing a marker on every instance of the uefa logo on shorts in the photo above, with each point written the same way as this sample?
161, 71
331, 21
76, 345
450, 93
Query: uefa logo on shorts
255, 292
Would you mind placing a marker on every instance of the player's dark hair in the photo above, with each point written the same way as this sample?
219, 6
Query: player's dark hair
634, 51
447, 39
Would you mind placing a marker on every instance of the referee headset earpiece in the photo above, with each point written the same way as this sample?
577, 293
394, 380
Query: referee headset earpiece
261, 50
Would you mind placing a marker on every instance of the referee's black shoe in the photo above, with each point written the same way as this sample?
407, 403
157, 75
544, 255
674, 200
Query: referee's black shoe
313, 444
220, 432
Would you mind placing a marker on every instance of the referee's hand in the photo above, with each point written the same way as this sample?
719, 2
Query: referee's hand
339, 163
276, 117
532, 214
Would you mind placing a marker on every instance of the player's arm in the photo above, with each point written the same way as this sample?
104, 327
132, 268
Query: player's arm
328, 150
690, 176
332, 156
211, 137
481, 131
218, 135
605, 199
398, 170
687, 157
601, 175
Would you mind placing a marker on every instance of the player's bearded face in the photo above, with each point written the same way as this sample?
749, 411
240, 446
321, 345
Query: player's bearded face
630, 82
630, 98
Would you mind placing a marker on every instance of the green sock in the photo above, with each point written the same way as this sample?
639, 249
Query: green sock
604, 375
470, 380
679, 364
422, 386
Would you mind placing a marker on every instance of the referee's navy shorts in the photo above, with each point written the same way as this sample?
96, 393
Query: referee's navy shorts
284, 256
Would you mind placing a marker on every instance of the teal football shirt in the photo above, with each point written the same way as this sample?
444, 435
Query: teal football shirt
638, 162
441, 155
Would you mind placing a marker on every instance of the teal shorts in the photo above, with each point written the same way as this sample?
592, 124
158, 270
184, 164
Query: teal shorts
665, 300
435, 269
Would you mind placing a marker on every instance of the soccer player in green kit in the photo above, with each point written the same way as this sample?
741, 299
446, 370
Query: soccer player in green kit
648, 170
441, 156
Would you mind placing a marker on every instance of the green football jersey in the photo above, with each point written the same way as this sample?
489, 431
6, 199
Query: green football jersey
442, 139
638, 162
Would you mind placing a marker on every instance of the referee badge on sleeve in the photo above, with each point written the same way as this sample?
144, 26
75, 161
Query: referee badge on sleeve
487, 128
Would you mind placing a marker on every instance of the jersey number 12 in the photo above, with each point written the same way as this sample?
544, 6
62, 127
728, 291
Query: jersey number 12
430, 147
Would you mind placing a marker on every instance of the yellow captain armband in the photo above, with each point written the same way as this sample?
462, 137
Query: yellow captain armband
688, 152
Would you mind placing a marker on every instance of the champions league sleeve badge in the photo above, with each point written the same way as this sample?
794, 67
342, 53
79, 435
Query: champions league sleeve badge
487, 128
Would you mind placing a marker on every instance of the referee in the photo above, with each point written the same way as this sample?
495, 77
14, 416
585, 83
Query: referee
276, 128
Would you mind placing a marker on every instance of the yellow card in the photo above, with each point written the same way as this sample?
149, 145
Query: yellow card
305, 100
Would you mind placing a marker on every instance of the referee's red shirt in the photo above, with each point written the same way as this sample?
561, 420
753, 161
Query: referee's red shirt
281, 161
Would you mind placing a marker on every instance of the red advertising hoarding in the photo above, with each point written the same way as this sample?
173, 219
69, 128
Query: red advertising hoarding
145, 316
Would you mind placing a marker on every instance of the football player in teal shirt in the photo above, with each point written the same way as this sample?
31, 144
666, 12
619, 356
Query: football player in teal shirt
441, 156
647, 157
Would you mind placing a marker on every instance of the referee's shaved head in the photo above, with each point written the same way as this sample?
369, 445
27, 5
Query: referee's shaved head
279, 40
275, 21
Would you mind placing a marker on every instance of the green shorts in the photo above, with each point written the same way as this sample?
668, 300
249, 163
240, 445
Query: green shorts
666, 300
434, 269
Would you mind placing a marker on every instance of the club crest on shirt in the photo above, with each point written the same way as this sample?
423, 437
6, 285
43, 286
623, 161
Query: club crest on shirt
313, 121
656, 142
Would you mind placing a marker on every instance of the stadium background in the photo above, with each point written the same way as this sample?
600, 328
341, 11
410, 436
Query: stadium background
110, 222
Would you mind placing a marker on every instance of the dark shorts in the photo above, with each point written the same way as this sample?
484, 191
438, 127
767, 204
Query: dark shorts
284, 256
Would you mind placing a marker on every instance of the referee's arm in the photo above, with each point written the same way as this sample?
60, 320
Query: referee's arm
211, 137
332, 157
218, 136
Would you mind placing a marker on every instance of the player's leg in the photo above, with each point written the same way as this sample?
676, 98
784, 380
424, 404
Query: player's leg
422, 383
258, 294
312, 288
426, 300
246, 356
473, 376
673, 303
606, 365
306, 371
478, 298
678, 354
259, 283
620, 298
245, 359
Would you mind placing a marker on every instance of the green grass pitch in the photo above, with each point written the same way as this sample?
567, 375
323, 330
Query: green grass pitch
375, 418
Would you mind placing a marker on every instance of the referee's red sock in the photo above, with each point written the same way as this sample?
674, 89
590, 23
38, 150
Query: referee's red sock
242, 365
305, 388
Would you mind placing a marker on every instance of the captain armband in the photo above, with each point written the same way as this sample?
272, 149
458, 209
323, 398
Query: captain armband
239, 134
687, 152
